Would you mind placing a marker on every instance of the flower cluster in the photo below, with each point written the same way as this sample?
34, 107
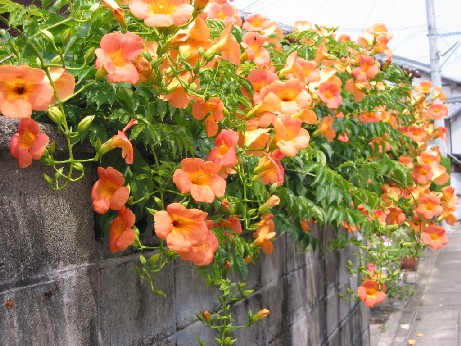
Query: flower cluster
223, 120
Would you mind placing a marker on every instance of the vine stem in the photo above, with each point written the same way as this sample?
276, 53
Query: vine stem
7, 58
82, 89
65, 126
241, 173
53, 26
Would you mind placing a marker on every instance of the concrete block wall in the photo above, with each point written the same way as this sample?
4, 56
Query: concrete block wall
60, 286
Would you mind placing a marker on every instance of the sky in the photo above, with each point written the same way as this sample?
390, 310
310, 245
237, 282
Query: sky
405, 19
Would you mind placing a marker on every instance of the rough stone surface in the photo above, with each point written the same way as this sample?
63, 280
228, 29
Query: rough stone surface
60, 286
48, 230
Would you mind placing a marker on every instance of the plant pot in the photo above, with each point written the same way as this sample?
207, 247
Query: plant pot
409, 263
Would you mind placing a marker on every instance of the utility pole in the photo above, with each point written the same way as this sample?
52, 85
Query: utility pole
432, 33
436, 78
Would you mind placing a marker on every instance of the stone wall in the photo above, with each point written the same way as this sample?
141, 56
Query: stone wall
60, 286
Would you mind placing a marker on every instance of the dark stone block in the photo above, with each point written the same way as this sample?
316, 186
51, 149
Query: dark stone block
191, 294
334, 339
56, 311
298, 291
129, 312
332, 312
316, 320
42, 230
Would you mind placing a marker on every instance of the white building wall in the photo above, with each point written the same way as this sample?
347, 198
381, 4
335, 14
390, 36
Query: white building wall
456, 136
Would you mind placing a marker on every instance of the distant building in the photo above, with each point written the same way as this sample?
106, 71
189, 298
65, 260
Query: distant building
453, 123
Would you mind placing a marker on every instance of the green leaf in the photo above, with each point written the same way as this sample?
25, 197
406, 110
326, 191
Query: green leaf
101, 94
47, 3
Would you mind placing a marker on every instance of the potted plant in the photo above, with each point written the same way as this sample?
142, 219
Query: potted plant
408, 248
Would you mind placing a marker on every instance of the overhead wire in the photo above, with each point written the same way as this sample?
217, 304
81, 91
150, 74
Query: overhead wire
391, 29
370, 13
453, 52
325, 2
408, 38
391, 16
453, 33
250, 5
270, 5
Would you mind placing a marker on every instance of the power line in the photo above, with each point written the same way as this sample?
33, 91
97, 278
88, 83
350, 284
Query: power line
253, 3
269, 5
405, 40
321, 6
392, 11
449, 34
391, 29
452, 51
370, 12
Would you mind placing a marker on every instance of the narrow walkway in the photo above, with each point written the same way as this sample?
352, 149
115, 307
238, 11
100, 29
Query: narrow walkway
437, 305
433, 316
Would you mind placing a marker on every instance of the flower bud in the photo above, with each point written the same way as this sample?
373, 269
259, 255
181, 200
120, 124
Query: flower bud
271, 202
227, 206
247, 259
260, 315
206, 315
66, 36
101, 73
144, 69
306, 224
56, 60
273, 187
119, 15
47, 179
55, 114
47, 158
106, 147
154, 258
85, 123
78, 166
210, 53
48, 35
89, 55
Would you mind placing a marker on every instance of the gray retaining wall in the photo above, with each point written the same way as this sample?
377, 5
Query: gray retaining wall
59, 286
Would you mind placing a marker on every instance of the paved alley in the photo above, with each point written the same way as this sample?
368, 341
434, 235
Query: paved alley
433, 316
437, 305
